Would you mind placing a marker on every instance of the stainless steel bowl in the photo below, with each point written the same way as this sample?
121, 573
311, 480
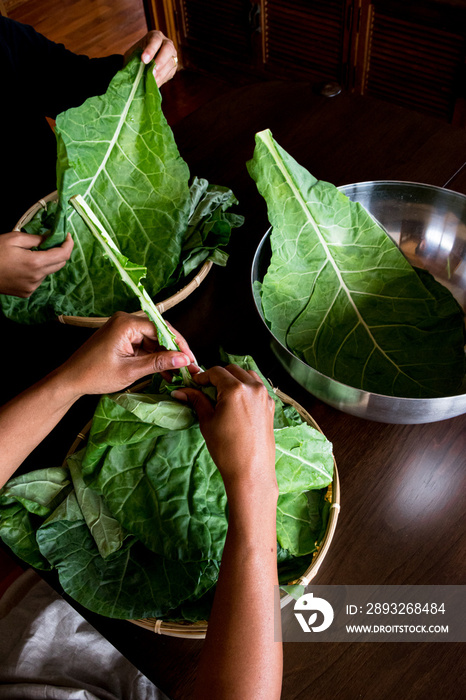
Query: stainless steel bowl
429, 225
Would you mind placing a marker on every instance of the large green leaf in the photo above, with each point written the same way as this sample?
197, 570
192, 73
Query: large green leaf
131, 583
118, 152
130, 274
40, 491
18, 531
167, 492
209, 227
25, 501
128, 419
143, 529
103, 526
299, 522
164, 488
157, 410
303, 459
340, 294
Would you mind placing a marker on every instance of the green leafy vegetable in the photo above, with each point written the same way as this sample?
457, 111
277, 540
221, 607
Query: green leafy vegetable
118, 152
25, 502
139, 516
209, 227
132, 275
303, 459
342, 297
106, 531
132, 583
295, 591
165, 490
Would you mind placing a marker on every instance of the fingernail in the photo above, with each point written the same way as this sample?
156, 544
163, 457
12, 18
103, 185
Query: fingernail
180, 361
180, 395
145, 58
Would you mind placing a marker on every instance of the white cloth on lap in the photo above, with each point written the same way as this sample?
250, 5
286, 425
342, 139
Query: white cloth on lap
49, 651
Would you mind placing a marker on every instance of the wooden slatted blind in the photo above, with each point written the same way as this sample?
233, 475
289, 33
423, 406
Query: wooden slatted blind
218, 28
414, 66
305, 36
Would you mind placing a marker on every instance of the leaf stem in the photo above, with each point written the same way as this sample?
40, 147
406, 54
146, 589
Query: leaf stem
131, 274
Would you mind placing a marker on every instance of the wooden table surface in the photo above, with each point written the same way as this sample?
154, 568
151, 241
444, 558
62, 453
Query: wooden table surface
402, 486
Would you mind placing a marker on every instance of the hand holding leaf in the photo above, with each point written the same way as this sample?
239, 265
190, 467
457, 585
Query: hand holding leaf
121, 352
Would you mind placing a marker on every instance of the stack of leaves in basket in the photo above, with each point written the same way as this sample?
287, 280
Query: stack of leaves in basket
135, 522
118, 152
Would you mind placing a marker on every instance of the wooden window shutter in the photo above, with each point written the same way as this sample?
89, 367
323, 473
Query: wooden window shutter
413, 65
217, 29
306, 38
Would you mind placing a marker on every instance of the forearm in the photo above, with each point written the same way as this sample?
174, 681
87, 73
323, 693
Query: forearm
114, 357
27, 420
240, 658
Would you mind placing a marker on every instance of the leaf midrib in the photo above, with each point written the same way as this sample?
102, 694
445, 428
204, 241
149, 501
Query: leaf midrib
115, 136
268, 141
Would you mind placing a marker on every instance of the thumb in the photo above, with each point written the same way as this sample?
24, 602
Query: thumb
199, 401
165, 360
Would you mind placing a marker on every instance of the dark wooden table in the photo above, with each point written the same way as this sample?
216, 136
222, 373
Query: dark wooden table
402, 487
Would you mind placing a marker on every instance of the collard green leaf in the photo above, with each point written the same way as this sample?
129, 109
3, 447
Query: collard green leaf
131, 275
294, 524
292, 566
18, 531
167, 492
118, 152
209, 227
25, 501
143, 529
131, 583
164, 488
68, 510
303, 460
193, 610
42, 223
122, 419
157, 410
301, 518
39, 491
340, 294
104, 528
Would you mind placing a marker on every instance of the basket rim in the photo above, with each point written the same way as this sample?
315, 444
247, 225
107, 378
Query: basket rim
197, 630
98, 321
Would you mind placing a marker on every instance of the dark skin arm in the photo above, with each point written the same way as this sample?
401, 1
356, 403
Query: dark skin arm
118, 354
241, 658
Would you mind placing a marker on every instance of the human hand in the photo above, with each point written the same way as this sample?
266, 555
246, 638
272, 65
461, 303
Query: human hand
22, 270
156, 45
238, 429
122, 351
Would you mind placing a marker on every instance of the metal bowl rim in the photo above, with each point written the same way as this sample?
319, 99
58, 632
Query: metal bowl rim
438, 400
404, 182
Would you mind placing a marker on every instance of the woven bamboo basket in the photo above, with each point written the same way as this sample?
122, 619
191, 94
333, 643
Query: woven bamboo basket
97, 321
197, 630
